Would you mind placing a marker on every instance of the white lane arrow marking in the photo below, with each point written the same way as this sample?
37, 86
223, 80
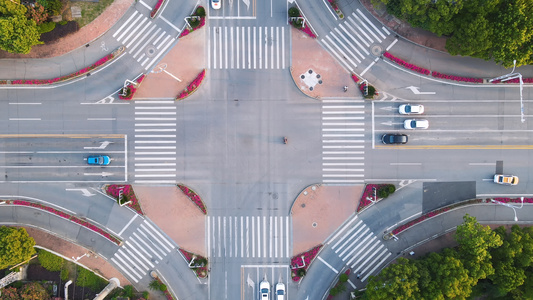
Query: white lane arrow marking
102, 145
103, 174
415, 91
250, 281
389, 108
85, 192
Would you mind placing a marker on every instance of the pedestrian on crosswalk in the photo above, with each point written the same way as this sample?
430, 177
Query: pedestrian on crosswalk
359, 275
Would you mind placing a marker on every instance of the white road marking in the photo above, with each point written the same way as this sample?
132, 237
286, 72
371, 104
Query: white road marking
328, 265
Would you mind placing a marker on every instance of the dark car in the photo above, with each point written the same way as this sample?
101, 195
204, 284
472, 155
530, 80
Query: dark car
394, 138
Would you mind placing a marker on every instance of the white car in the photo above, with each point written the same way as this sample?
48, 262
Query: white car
415, 124
411, 109
264, 290
215, 4
280, 291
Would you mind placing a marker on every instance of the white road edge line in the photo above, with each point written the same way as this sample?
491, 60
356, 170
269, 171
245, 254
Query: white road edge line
328, 265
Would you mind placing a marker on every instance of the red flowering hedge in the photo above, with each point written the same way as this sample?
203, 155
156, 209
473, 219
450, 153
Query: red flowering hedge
62, 78
192, 86
403, 63
193, 197
524, 80
131, 89
187, 31
68, 217
156, 8
296, 261
200, 271
354, 77
114, 189
456, 78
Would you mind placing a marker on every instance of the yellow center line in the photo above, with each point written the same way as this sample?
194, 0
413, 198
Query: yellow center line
71, 136
466, 147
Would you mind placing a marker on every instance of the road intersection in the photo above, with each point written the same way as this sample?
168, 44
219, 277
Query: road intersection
227, 142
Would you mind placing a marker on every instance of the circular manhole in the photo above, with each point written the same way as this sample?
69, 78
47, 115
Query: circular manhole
303, 205
314, 224
376, 50
275, 196
150, 51
313, 188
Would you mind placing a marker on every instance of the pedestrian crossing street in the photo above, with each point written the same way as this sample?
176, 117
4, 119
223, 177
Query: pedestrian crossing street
351, 41
143, 39
360, 248
144, 249
248, 47
248, 236
155, 142
343, 141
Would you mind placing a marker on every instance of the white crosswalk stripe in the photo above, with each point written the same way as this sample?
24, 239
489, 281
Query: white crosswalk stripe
361, 250
248, 236
155, 153
248, 47
343, 141
145, 248
351, 41
138, 36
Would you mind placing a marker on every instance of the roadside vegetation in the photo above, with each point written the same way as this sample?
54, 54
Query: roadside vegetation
487, 264
489, 29
35, 22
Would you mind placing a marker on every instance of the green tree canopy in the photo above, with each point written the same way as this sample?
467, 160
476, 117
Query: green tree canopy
16, 246
17, 33
397, 281
475, 241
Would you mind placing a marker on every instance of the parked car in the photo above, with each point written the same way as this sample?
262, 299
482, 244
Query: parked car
506, 179
216, 4
280, 291
411, 109
102, 160
415, 124
264, 290
394, 138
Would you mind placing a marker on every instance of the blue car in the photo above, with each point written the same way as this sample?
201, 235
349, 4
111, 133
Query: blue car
102, 160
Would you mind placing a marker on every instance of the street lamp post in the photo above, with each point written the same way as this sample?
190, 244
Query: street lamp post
511, 76
161, 68
514, 208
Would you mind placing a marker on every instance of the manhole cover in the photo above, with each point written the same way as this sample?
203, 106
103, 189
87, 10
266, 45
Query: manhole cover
315, 224
150, 51
274, 196
303, 204
376, 50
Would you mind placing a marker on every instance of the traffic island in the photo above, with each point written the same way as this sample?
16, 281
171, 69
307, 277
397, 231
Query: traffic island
197, 263
192, 87
125, 196
300, 262
195, 21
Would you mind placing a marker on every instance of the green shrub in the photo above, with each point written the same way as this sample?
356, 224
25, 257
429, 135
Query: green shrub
162, 287
294, 12
50, 261
88, 279
62, 23
154, 285
128, 291
200, 11
64, 274
46, 27
333, 291
383, 193
146, 295
391, 188
343, 277
53, 7
371, 91
301, 272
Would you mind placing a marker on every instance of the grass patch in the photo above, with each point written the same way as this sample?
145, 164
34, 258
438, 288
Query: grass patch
91, 10
88, 279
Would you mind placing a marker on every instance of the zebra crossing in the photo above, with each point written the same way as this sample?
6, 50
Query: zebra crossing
343, 141
144, 249
360, 248
143, 39
155, 142
351, 42
248, 236
248, 47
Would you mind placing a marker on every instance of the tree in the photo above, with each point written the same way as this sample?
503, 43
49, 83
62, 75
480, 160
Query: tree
17, 33
472, 37
33, 291
9, 293
16, 246
36, 13
397, 281
443, 276
50, 261
475, 241
511, 259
